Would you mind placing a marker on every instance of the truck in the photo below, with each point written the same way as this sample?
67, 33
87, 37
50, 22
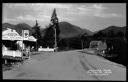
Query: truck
14, 55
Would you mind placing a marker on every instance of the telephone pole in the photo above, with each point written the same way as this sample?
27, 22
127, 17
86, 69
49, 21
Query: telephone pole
54, 21
55, 46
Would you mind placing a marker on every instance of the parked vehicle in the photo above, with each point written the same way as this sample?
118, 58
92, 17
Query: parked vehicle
14, 54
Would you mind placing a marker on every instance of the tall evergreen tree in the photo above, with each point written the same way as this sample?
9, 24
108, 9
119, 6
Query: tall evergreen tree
36, 33
54, 21
51, 37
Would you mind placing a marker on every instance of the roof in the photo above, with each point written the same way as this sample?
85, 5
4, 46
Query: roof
11, 34
10, 31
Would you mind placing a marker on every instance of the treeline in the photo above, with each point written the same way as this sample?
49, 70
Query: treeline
115, 39
116, 44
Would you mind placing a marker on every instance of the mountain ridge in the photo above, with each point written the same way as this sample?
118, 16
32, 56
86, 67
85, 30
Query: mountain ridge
111, 31
67, 30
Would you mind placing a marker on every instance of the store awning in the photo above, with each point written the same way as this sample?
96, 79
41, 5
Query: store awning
31, 38
6, 37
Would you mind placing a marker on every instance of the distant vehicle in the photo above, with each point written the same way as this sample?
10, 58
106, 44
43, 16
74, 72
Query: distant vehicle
99, 47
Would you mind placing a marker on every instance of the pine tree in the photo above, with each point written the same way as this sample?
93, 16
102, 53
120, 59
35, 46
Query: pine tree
36, 33
50, 37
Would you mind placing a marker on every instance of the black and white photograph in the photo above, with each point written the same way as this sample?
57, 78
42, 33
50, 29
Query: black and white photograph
64, 41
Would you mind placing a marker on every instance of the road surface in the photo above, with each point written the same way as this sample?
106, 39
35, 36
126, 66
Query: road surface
67, 65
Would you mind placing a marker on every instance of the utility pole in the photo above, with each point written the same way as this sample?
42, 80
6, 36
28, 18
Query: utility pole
36, 34
54, 21
55, 46
81, 41
82, 44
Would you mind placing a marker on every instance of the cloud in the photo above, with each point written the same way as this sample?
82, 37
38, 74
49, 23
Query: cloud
31, 18
53, 5
38, 6
101, 11
98, 6
96, 10
108, 15
41, 11
27, 17
32, 11
74, 13
62, 18
36, 9
8, 20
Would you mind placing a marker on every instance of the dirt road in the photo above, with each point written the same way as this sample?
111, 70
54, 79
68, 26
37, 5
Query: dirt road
68, 65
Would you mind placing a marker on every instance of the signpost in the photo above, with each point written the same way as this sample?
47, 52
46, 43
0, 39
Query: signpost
25, 34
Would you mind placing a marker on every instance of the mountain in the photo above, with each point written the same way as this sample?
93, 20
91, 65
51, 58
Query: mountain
23, 26
116, 29
19, 27
87, 32
112, 31
7, 25
68, 30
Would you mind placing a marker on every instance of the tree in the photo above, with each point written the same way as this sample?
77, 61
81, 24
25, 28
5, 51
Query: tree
51, 36
36, 33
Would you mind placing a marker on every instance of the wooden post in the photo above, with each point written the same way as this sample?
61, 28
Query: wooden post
82, 44
55, 46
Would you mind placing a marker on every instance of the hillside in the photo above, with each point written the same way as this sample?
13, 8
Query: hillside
19, 27
68, 30
23, 26
7, 25
112, 31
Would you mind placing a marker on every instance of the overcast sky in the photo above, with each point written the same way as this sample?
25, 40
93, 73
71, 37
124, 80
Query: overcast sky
91, 16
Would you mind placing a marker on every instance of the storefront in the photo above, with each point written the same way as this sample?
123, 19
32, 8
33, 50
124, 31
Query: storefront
13, 45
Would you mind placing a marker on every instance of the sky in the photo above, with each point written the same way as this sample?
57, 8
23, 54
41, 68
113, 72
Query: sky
91, 16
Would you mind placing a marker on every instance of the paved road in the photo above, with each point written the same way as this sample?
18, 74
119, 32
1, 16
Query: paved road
68, 65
